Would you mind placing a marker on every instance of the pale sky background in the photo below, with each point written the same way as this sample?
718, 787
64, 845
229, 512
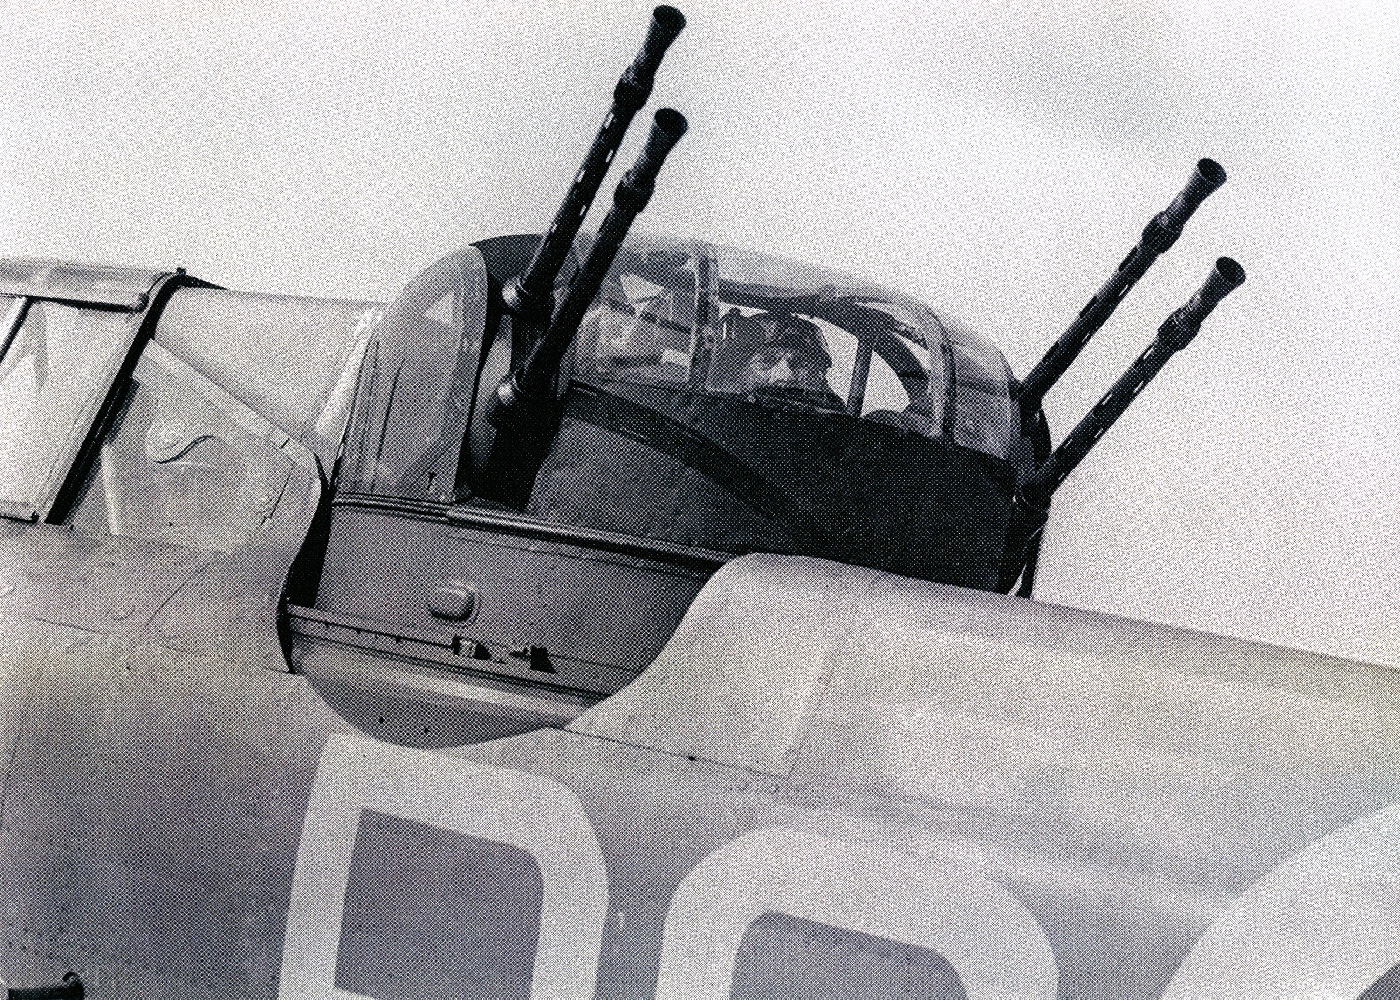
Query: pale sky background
997, 159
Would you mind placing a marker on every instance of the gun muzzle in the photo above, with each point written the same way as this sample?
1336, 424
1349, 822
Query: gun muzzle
529, 387
639, 183
1157, 238
1174, 334
1182, 326
637, 79
530, 295
1209, 175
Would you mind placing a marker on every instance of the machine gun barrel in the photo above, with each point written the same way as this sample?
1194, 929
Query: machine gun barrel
1157, 238
531, 294
524, 393
1178, 331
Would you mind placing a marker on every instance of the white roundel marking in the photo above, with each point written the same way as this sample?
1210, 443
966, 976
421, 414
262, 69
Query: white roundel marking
993, 943
1325, 923
525, 811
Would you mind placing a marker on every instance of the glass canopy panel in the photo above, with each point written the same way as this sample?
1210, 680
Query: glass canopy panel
715, 320
54, 372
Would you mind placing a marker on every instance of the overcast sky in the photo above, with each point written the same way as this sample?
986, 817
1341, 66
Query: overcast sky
995, 159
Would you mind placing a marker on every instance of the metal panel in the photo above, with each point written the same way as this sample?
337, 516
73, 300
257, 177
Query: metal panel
845, 674
782, 956
152, 817
433, 914
1011, 776
738, 681
405, 702
603, 615
95, 583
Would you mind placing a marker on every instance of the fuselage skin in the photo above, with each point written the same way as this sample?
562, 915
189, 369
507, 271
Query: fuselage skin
1088, 801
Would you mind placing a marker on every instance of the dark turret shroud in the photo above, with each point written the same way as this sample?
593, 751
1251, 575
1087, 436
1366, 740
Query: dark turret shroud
528, 392
1178, 331
530, 295
1157, 238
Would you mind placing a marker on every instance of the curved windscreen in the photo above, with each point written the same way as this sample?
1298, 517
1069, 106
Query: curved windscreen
714, 320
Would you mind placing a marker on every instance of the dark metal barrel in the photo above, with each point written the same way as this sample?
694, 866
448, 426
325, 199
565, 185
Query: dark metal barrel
1182, 326
1157, 238
531, 384
531, 294
70, 989
1178, 331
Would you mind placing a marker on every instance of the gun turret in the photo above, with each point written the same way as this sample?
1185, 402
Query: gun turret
1157, 238
1178, 331
530, 295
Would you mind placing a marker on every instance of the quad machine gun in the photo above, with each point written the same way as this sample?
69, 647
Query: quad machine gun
525, 407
